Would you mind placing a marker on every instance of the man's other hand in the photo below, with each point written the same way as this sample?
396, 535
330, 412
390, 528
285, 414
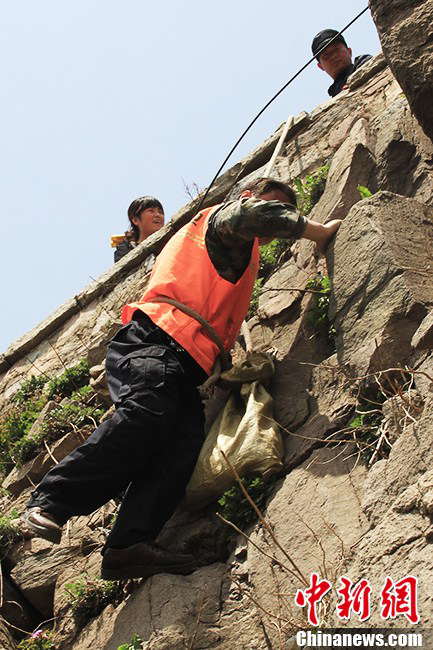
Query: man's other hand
321, 233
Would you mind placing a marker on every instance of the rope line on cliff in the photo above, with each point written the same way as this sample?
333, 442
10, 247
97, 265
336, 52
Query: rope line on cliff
262, 110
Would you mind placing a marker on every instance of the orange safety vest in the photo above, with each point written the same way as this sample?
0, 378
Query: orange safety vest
184, 271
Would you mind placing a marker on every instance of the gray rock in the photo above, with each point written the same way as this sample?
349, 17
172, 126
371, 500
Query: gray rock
98, 382
398, 546
402, 151
410, 456
423, 337
382, 281
368, 70
34, 470
37, 572
352, 165
424, 373
167, 612
16, 609
406, 33
98, 350
316, 517
6, 641
330, 405
83, 567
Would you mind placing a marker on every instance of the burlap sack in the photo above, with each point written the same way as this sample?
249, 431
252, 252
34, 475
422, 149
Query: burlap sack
244, 430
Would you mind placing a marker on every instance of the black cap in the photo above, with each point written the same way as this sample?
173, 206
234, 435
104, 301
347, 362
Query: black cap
323, 38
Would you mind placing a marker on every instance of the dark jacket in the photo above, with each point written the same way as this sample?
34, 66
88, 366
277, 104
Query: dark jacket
340, 81
122, 249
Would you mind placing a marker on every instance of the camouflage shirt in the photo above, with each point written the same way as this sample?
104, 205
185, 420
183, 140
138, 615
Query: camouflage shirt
234, 226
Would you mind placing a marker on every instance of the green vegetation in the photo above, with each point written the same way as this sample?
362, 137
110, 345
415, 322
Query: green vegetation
74, 413
234, 506
89, 597
270, 255
69, 381
318, 313
310, 190
62, 386
16, 444
134, 644
15, 423
68, 416
366, 423
254, 302
364, 192
9, 533
29, 389
39, 640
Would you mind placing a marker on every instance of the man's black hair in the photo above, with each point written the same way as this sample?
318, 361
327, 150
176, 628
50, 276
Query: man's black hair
265, 184
137, 207
323, 38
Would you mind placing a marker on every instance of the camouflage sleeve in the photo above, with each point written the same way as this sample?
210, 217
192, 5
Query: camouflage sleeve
247, 218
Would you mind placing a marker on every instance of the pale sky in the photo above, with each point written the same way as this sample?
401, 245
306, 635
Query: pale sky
103, 101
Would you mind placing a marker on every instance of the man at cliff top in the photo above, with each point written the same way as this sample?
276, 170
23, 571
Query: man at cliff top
335, 58
149, 446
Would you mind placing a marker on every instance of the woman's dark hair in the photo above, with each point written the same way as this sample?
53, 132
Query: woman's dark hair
137, 207
263, 185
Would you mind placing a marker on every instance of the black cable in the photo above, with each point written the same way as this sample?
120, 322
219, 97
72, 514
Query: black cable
270, 102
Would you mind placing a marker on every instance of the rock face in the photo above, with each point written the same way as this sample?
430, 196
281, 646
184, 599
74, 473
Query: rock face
6, 641
34, 470
37, 572
167, 611
328, 524
353, 394
406, 34
382, 279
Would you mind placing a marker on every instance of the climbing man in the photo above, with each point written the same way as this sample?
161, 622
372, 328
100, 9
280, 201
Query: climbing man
335, 58
191, 311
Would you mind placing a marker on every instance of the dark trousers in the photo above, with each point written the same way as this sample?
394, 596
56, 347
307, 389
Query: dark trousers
148, 447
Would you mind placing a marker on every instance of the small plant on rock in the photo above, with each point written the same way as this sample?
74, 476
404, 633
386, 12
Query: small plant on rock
15, 423
136, 643
270, 255
365, 426
386, 404
364, 192
254, 302
89, 597
17, 419
71, 415
318, 314
233, 505
310, 190
29, 389
9, 533
70, 381
39, 640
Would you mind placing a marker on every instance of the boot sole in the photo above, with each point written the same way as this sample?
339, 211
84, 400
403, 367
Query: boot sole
141, 571
48, 534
